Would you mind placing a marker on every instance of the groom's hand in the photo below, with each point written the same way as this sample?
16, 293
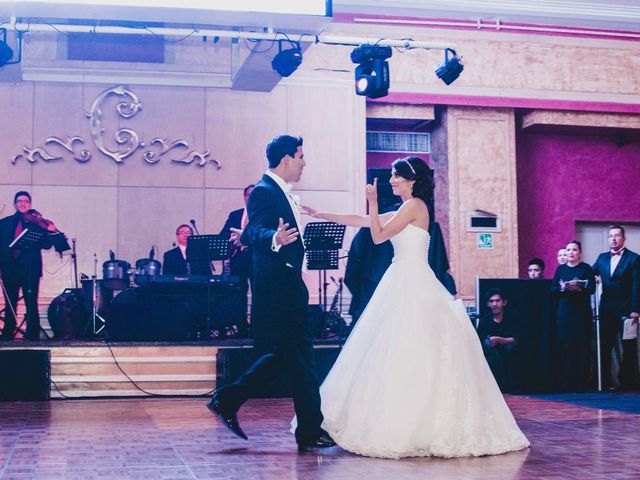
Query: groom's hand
284, 234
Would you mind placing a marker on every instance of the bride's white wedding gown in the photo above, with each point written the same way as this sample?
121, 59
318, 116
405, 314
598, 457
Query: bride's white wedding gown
411, 379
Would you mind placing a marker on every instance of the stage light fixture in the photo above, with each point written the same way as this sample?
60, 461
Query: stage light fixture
287, 61
372, 73
6, 53
451, 68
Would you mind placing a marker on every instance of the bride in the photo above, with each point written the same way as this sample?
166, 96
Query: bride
412, 380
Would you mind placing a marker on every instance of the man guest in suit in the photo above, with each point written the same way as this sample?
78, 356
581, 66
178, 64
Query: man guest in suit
21, 268
619, 272
175, 260
240, 257
279, 300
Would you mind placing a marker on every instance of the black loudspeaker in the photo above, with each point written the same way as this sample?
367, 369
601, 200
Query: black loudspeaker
159, 312
233, 362
162, 321
534, 308
25, 375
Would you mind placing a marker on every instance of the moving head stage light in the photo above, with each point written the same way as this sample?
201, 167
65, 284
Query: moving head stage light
451, 68
287, 61
372, 72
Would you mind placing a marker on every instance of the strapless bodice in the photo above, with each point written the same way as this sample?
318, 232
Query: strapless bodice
412, 243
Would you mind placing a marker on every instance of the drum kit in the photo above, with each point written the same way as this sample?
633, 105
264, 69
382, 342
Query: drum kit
77, 312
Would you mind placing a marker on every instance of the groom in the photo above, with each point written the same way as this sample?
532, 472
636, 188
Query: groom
279, 300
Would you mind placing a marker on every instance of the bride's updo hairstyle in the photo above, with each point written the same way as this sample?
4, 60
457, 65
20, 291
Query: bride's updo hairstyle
414, 168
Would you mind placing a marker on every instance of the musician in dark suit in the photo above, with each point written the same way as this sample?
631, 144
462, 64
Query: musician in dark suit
175, 260
22, 268
280, 298
239, 262
366, 265
619, 271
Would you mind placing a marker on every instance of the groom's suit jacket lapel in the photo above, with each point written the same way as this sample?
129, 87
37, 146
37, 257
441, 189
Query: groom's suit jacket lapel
283, 203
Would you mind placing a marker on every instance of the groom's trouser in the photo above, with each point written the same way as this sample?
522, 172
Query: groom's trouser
289, 352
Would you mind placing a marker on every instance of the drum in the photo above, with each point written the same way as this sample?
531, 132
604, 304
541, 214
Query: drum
115, 274
147, 269
67, 314
148, 266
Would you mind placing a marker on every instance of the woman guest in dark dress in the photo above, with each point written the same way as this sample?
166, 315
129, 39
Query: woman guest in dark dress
573, 284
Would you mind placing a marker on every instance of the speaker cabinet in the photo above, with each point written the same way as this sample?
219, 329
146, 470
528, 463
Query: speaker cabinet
25, 375
164, 321
171, 312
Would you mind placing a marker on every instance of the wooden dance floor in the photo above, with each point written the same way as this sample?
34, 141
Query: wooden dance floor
588, 436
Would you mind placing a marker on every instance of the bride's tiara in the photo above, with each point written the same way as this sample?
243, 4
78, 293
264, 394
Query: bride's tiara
411, 167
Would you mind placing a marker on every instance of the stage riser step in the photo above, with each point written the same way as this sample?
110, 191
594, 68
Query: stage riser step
158, 351
197, 392
100, 369
90, 371
117, 389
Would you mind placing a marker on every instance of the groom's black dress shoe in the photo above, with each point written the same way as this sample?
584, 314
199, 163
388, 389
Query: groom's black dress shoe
323, 441
229, 419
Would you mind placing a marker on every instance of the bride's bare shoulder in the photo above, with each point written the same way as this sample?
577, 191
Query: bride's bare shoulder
415, 204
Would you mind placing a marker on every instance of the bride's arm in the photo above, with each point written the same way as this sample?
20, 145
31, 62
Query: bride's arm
351, 219
382, 229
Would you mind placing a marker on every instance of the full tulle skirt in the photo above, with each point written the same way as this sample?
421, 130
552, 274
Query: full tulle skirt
412, 380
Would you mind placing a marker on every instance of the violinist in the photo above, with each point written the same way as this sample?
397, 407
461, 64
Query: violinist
21, 267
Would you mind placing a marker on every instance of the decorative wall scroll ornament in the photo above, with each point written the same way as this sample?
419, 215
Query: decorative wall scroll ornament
67, 144
165, 146
200, 158
124, 136
128, 106
33, 154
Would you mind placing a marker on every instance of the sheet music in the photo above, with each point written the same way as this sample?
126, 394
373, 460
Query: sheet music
15, 240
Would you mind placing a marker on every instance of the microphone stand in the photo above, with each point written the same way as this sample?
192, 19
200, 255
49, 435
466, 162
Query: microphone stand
74, 257
597, 295
94, 310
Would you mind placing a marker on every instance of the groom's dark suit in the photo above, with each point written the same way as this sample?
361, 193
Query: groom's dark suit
278, 312
620, 297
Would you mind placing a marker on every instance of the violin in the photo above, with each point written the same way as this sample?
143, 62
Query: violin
35, 217
59, 239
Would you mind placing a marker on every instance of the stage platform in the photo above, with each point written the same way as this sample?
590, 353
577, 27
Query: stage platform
81, 369
573, 437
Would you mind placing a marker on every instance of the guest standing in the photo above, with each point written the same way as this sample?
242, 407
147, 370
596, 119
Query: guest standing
619, 271
573, 284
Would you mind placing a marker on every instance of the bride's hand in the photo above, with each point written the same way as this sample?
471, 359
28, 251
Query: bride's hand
307, 210
372, 191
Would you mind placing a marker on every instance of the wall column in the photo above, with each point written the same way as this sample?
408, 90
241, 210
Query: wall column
482, 175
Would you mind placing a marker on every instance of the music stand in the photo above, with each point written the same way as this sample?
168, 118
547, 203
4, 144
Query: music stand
27, 240
208, 248
322, 241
